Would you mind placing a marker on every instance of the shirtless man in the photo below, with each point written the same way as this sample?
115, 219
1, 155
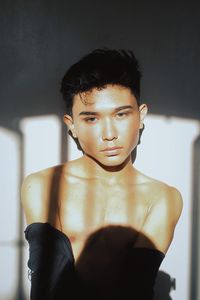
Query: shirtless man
103, 189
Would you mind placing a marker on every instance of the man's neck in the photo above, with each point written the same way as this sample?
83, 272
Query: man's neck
109, 175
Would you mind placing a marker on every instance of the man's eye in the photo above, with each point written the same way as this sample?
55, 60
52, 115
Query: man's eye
121, 115
90, 120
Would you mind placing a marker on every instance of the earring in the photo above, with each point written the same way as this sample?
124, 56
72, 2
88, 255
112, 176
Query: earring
140, 134
73, 131
74, 134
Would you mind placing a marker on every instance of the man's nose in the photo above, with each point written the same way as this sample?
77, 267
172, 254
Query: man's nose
109, 131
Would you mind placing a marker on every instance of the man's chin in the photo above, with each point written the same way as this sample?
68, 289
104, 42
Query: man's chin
111, 163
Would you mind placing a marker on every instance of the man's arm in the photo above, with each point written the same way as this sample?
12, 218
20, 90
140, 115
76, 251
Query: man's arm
51, 261
158, 229
32, 199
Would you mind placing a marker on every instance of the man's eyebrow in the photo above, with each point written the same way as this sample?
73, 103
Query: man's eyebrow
86, 113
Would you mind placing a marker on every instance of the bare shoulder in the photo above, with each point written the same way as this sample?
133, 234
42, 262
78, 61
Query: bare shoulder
34, 194
31, 197
168, 199
33, 182
37, 187
165, 210
164, 195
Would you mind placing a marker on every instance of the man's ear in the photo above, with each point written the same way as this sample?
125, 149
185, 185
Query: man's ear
143, 109
67, 119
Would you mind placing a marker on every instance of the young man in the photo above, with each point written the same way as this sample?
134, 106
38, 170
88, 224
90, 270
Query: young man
119, 221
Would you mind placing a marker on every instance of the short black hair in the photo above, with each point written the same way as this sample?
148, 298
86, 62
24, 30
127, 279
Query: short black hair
99, 68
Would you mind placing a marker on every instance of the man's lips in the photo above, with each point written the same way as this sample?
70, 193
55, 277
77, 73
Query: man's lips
111, 148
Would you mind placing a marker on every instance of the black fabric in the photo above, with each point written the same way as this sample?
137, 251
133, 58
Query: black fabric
140, 271
53, 274
51, 262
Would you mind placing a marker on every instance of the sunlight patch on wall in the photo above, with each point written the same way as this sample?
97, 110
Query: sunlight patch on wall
42, 142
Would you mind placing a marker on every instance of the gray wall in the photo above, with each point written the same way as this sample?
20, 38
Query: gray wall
40, 39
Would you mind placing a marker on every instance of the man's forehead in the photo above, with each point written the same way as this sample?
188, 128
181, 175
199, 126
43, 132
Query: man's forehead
110, 96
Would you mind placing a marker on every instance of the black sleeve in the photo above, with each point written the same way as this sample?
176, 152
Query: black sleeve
51, 262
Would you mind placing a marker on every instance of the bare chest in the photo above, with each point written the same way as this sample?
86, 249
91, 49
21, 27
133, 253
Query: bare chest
86, 209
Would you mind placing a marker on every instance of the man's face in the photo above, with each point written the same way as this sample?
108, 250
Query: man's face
109, 118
